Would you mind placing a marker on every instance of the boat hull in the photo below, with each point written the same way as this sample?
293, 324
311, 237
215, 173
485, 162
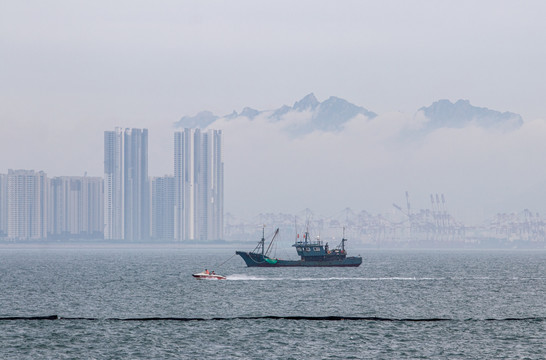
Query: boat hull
259, 260
208, 277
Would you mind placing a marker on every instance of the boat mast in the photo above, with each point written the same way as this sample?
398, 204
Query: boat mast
343, 241
296, 231
307, 233
271, 242
263, 240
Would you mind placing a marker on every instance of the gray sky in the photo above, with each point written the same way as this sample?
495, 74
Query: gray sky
71, 69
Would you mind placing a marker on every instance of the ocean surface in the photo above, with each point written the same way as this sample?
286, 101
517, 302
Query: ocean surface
114, 302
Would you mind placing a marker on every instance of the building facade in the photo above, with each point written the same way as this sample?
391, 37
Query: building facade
3, 205
199, 185
163, 208
76, 208
27, 204
126, 185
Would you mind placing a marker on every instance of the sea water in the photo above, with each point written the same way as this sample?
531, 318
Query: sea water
108, 302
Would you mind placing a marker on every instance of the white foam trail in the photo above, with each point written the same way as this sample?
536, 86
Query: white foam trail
367, 279
244, 277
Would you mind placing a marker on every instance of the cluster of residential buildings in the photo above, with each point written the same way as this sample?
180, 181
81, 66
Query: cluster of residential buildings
126, 204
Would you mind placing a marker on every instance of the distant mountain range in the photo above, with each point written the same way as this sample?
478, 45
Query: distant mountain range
329, 115
332, 114
445, 114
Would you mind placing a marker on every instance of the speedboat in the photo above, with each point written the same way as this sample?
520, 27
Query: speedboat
204, 276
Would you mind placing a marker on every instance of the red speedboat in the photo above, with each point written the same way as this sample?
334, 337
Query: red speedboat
208, 276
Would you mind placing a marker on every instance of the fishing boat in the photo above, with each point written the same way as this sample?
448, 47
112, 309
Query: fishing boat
207, 276
313, 253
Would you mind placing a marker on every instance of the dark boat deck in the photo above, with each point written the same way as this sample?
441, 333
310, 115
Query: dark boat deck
259, 260
313, 253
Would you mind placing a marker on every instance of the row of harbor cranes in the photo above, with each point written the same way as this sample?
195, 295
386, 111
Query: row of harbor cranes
434, 225
524, 226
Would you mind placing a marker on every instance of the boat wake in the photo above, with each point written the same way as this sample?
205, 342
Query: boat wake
244, 277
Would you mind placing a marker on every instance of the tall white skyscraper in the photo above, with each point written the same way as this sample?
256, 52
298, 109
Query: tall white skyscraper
199, 185
126, 186
27, 204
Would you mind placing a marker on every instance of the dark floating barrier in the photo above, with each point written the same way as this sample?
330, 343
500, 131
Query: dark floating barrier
48, 317
265, 317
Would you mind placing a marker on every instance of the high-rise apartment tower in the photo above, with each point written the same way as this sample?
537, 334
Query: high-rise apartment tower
3, 205
199, 185
27, 204
76, 207
163, 208
126, 186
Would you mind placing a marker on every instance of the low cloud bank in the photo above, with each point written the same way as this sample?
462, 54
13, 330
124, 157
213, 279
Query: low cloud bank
371, 162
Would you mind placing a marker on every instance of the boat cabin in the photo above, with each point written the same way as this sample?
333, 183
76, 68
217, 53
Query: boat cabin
316, 250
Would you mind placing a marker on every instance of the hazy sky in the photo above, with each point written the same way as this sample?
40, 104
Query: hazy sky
71, 69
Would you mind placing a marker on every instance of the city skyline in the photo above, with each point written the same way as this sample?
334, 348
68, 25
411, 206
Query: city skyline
71, 208
125, 204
